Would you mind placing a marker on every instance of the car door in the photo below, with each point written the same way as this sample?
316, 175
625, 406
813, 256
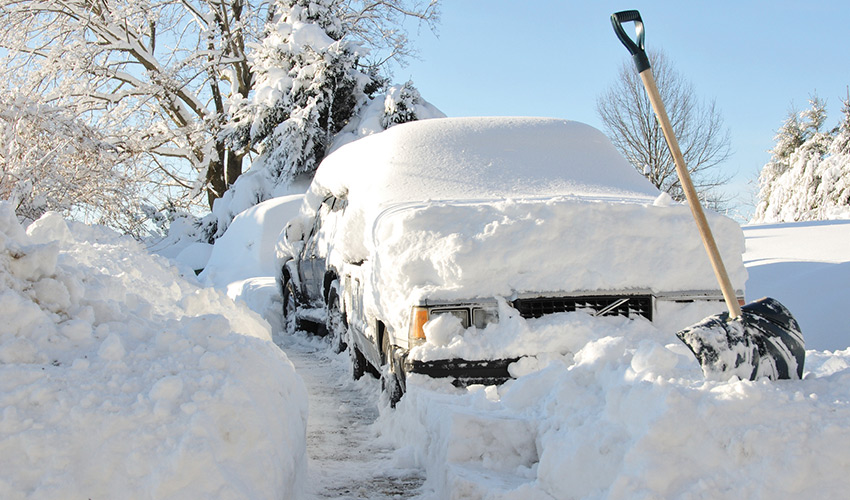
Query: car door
314, 259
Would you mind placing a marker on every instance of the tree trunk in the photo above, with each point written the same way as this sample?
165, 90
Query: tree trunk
222, 172
216, 185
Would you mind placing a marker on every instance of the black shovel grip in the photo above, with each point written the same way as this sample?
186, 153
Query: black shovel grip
635, 49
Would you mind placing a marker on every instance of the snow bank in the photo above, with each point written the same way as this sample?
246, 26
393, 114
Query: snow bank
626, 413
806, 266
121, 379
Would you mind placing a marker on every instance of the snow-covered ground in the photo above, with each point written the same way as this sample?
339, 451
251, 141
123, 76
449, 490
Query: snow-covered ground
806, 265
348, 458
123, 378
629, 413
120, 378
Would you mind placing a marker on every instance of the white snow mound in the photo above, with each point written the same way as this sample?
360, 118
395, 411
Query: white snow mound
121, 379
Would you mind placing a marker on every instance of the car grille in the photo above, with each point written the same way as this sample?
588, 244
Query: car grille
607, 305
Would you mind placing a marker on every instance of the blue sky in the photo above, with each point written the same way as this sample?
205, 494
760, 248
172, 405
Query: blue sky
553, 58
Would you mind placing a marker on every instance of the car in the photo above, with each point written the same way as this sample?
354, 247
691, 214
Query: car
420, 248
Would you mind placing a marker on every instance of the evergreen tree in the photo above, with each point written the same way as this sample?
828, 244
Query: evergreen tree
841, 144
808, 177
790, 136
400, 105
308, 87
312, 94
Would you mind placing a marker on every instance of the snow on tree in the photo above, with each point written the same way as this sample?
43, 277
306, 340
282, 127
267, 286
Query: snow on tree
400, 105
312, 94
308, 86
155, 79
150, 77
808, 176
51, 161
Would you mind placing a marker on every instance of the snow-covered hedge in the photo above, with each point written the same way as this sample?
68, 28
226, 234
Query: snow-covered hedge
121, 379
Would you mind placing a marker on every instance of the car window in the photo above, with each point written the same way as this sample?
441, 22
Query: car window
324, 209
339, 205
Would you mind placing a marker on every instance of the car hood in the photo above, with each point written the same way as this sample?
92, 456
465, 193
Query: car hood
452, 251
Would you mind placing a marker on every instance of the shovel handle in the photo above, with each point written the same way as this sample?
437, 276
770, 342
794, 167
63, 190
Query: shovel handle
635, 49
642, 64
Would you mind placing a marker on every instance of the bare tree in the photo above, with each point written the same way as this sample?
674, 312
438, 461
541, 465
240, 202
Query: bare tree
150, 76
631, 124
51, 161
154, 78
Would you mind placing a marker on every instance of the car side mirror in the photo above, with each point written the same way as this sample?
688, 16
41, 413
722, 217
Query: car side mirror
294, 232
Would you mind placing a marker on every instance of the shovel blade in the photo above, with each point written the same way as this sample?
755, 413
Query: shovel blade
764, 342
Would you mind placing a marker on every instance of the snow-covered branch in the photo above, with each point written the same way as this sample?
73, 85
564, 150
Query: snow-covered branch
808, 177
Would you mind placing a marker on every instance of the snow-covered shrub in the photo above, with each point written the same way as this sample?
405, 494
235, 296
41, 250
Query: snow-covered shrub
808, 177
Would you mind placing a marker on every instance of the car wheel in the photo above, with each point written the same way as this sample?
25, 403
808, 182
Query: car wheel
389, 380
290, 306
358, 363
336, 322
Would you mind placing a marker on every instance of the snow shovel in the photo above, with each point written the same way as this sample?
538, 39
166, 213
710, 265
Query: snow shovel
758, 340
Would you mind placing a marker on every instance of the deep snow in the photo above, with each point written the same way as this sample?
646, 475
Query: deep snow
629, 415
120, 378
123, 378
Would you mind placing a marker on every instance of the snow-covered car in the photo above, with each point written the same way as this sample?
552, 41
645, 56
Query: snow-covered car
438, 246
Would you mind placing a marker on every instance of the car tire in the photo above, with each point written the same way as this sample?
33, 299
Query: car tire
336, 323
389, 379
290, 307
358, 363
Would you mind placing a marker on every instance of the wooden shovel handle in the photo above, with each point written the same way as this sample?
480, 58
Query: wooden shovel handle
691, 195
642, 63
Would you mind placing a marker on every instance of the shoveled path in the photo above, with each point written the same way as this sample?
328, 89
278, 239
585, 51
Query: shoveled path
346, 460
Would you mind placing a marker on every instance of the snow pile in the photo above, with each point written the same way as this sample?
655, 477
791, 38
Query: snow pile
627, 413
806, 266
121, 379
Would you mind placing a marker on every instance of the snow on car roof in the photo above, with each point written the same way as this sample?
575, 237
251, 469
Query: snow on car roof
482, 158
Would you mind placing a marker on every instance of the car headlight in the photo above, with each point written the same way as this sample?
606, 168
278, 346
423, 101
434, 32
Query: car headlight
461, 314
481, 317
478, 317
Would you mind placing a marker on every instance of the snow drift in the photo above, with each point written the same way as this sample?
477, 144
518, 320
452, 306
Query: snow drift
627, 413
121, 379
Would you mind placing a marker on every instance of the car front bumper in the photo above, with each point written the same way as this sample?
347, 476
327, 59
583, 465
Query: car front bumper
464, 372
